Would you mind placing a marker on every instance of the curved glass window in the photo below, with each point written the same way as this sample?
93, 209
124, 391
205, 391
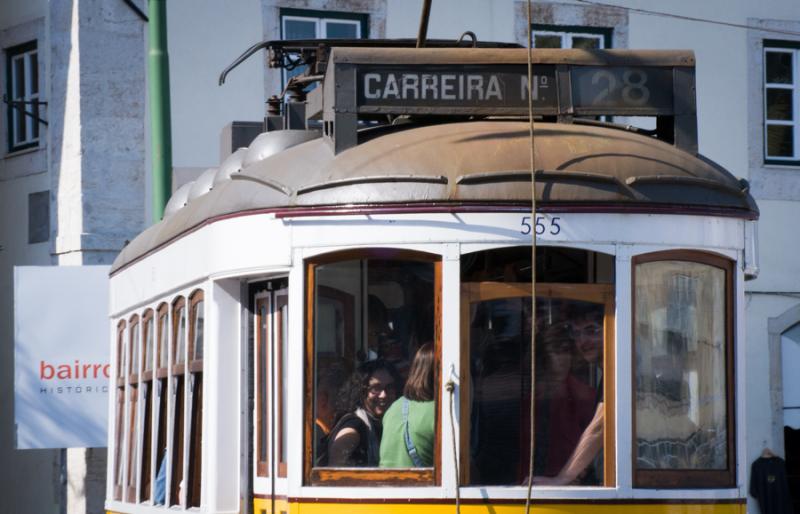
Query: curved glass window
683, 370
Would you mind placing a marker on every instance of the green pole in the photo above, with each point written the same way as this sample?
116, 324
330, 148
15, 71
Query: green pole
160, 123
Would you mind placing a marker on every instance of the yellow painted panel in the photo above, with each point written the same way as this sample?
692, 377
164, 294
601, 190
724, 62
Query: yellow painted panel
602, 508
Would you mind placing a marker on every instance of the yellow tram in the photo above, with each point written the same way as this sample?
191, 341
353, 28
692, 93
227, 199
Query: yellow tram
356, 287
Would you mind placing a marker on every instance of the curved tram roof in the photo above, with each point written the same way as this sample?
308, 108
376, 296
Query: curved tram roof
455, 166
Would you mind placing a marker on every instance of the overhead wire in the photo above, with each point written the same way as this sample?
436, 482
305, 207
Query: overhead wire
690, 18
533, 260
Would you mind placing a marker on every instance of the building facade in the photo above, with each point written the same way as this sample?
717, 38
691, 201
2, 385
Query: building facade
74, 180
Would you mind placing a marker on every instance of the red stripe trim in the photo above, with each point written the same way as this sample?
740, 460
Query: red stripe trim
520, 501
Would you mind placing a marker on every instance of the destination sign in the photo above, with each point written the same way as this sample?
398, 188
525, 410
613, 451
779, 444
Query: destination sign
504, 89
462, 86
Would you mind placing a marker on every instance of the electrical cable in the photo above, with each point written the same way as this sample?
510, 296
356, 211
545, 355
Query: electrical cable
689, 18
451, 387
533, 261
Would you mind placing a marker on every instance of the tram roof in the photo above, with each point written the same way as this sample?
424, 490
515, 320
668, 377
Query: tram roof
475, 164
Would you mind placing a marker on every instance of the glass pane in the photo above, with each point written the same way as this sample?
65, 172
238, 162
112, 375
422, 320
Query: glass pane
779, 68
680, 341
780, 141
263, 339
299, 29
121, 360
163, 356
779, 104
134, 349
283, 341
587, 42
372, 318
18, 93
341, 30
199, 323
180, 338
33, 66
542, 41
148, 345
568, 389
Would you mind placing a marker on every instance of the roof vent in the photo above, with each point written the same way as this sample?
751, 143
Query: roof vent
178, 200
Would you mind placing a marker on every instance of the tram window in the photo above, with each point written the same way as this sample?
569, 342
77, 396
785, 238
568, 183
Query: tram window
160, 405
572, 390
196, 336
371, 313
147, 391
178, 400
683, 428
262, 358
120, 411
133, 396
282, 347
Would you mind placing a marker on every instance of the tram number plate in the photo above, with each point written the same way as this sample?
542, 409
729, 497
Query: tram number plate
543, 225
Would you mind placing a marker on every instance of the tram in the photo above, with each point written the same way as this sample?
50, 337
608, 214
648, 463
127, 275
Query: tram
368, 280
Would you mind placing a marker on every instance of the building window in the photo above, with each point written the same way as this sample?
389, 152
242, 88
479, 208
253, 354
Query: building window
373, 342
683, 371
782, 102
306, 24
559, 36
22, 84
573, 441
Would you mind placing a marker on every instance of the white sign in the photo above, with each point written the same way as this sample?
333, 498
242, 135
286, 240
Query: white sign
61, 356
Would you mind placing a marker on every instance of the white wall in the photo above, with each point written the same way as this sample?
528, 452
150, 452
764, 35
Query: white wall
205, 36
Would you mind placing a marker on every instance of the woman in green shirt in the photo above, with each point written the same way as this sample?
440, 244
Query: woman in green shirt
408, 425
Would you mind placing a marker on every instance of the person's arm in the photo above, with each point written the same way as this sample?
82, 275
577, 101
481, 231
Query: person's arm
342, 446
589, 445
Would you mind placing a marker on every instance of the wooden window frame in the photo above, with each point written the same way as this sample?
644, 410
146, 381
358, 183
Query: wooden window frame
586, 292
178, 410
193, 482
159, 391
18, 142
134, 358
119, 437
280, 301
263, 403
146, 388
690, 478
369, 476
792, 48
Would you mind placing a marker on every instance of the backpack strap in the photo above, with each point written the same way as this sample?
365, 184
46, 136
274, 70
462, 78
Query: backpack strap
410, 448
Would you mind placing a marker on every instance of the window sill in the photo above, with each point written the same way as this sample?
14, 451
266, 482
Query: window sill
24, 151
789, 165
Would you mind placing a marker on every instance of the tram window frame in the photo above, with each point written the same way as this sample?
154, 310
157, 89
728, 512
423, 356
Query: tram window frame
193, 482
146, 387
599, 293
177, 449
791, 48
133, 373
160, 393
372, 476
690, 478
281, 379
119, 438
263, 392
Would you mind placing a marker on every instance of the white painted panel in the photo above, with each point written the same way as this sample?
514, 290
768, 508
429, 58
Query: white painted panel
790, 353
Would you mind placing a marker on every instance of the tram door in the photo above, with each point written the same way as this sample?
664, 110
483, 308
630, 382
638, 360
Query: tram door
573, 367
270, 320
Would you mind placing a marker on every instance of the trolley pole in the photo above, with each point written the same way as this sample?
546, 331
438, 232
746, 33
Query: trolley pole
160, 122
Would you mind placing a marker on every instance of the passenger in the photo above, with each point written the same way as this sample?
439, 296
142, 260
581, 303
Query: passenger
329, 382
585, 462
408, 426
355, 439
564, 405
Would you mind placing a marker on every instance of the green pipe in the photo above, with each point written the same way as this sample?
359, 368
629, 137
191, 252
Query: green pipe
160, 123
